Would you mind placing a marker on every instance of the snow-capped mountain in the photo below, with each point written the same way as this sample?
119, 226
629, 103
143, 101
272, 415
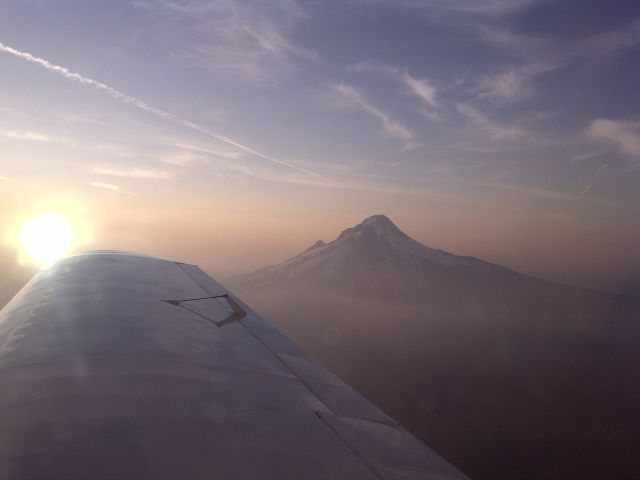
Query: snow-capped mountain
457, 334
375, 257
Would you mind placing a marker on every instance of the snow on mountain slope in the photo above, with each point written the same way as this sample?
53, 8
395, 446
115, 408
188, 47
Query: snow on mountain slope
374, 256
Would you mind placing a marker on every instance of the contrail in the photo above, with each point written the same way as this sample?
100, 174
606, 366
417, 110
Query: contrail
123, 97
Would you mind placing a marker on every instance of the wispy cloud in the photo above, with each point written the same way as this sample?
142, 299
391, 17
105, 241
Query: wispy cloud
245, 172
585, 190
613, 41
532, 57
182, 158
31, 136
248, 40
431, 115
486, 126
536, 56
578, 157
623, 135
81, 119
216, 152
187, 154
420, 87
391, 127
109, 186
511, 85
494, 8
132, 172
112, 92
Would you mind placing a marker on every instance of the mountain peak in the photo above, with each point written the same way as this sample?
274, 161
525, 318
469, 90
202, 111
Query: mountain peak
379, 219
380, 224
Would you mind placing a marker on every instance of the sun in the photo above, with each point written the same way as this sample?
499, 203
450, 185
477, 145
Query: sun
46, 237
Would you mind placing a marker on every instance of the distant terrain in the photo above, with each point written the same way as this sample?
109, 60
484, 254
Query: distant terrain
505, 375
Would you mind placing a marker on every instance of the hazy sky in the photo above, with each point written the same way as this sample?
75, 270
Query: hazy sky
236, 133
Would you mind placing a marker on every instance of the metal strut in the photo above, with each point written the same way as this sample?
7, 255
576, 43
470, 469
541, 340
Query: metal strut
178, 302
237, 312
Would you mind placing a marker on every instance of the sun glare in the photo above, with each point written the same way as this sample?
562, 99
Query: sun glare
46, 238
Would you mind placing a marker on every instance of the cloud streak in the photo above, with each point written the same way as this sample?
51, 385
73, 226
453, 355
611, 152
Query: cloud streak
108, 186
132, 172
391, 127
536, 192
623, 135
216, 152
420, 87
539, 55
31, 136
128, 99
247, 40
486, 126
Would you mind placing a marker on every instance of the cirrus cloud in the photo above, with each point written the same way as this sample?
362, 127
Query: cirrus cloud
118, 95
132, 172
108, 186
623, 135
392, 127
247, 40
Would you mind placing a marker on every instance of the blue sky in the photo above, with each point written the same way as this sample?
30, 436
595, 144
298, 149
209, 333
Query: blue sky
508, 130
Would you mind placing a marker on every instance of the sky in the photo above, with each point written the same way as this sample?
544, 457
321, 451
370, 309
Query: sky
234, 134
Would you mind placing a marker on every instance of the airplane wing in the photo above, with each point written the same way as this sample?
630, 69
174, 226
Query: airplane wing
121, 366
